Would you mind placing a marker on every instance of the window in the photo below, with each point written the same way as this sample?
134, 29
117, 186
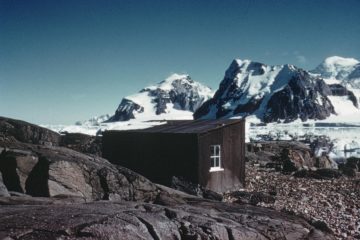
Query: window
215, 158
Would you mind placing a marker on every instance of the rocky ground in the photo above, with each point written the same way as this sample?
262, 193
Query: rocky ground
170, 216
332, 204
335, 201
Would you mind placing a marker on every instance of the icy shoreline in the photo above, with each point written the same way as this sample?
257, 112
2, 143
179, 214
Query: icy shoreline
345, 137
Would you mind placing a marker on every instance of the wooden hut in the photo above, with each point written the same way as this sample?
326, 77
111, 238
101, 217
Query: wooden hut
208, 152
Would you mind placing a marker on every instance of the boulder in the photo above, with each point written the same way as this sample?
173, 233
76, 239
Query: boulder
46, 171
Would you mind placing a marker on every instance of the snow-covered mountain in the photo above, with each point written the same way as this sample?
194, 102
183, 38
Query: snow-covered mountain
341, 70
271, 93
94, 121
177, 97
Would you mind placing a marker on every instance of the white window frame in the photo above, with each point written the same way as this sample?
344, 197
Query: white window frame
215, 158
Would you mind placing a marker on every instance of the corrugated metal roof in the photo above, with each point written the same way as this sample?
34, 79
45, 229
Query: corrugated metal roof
188, 126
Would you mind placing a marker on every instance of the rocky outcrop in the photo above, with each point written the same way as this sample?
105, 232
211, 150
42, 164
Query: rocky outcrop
27, 132
44, 171
168, 218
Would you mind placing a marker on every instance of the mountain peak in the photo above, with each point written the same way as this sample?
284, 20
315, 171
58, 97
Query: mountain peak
169, 82
336, 67
336, 60
178, 96
176, 76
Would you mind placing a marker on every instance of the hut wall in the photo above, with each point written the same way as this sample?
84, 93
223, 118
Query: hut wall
157, 156
232, 141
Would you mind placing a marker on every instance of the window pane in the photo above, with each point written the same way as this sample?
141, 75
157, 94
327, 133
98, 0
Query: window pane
212, 150
215, 155
217, 150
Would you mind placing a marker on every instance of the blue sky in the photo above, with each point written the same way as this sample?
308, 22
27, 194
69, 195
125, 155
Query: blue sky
68, 60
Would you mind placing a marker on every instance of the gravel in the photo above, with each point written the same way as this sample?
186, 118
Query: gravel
333, 205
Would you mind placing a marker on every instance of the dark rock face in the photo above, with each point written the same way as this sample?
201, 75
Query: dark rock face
160, 98
82, 143
192, 219
340, 90
299, 99
229, 91
126, 111
27, 133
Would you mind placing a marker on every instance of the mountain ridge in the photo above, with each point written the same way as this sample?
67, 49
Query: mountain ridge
271, 93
